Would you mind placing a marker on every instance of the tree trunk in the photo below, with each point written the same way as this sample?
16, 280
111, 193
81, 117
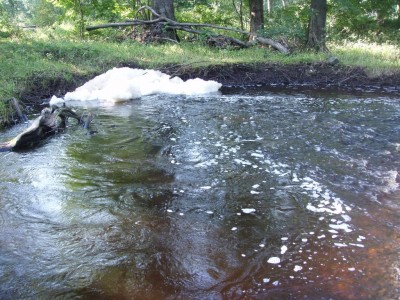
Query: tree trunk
398, 10
268, 4
165, 8
256, 17
317, 25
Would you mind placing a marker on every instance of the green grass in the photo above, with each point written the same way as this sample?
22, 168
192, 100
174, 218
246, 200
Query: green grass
376, 59
47, 55
20, 59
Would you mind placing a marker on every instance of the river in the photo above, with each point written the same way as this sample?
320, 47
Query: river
249, 194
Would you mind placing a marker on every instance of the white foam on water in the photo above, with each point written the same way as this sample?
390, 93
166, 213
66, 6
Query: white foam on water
391, 183
258, 155
207, 187
360, 238
297, 268
242, 162
357, 245
248, 210
274, 260
122, 84
343, 226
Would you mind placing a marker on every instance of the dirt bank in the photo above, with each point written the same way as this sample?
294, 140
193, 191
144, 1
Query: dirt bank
314, 75
318, 75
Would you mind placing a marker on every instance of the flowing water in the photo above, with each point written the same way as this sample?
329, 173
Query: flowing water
252, 194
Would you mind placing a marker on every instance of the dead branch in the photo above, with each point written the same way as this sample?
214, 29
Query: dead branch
123, 24
234, 41
189, 27
48, 123
172, 22
273, 44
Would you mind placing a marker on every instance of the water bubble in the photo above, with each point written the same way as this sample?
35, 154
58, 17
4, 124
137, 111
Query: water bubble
274, 260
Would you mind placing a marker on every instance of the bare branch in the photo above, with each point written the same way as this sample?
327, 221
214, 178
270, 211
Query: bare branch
273, 44
189, 27
123, 24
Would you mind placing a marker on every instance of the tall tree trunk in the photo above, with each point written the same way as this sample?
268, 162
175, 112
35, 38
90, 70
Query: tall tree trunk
256, 16
166, 9
317, 26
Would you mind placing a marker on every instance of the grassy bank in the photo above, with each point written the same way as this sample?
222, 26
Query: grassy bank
24, 59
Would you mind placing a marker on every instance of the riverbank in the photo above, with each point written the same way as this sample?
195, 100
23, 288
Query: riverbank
319, 75
312, 75
34, 70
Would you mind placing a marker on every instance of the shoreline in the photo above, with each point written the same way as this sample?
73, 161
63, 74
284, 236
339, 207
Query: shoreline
309, 75
335, 78
323, 76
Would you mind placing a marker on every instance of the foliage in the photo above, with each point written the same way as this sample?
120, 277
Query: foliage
213, 13
8, 15
376, 20
288, 24
43, 13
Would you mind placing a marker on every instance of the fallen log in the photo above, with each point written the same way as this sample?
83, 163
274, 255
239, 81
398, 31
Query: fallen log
50, 121
273, 44
189, 27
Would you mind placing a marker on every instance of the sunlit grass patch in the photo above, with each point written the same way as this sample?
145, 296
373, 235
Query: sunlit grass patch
375, 58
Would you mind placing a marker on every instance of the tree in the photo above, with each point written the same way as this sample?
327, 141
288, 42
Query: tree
317, 25
165, 8
256, 16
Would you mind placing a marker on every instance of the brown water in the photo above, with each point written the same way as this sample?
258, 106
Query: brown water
253, 194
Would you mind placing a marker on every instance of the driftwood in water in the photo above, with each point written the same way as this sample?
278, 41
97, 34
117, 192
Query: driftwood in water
189, 27
50, 121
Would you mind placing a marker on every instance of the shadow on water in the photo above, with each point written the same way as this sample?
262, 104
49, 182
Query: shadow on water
248, 195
